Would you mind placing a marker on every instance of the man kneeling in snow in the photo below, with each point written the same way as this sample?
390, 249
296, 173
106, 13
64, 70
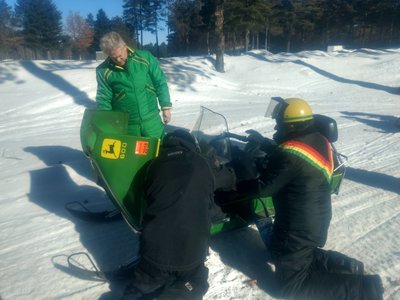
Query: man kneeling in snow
179, 188
298, 176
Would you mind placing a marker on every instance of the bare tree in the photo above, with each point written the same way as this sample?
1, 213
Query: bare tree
80, 33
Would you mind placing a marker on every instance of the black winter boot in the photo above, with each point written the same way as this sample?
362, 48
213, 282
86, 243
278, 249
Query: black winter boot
372, 288
355, 266
336, 262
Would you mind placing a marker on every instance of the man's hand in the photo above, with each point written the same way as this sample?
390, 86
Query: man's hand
166, 115
254, 136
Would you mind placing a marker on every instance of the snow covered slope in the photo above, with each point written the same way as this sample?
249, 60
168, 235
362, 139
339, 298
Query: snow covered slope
42, 166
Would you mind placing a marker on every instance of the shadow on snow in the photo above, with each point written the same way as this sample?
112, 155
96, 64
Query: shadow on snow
243, 250
385, 123
369, 85
109, 244
374, 179
184, 76
80, 97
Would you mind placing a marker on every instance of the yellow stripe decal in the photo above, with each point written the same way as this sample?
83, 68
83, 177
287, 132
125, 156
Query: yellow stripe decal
140, 60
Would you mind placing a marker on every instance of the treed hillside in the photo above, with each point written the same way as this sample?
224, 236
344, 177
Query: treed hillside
34, 29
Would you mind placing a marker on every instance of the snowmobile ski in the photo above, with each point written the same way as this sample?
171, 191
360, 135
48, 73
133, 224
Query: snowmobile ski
80, 211
84, 267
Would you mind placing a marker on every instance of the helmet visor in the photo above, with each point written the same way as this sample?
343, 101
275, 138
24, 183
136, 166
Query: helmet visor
275, 108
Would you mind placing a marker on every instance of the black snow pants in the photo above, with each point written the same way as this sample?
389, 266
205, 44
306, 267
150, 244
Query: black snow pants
311, 273
150, 282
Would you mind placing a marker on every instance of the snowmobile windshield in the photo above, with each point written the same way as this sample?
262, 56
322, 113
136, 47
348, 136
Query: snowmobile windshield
275, 107
211, 132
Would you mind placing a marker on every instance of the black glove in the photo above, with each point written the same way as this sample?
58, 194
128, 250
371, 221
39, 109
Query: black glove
254, 136
257, 142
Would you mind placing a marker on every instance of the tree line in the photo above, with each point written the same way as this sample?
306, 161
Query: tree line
34, 29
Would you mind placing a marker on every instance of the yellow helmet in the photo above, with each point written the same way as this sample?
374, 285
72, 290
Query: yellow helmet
296, 110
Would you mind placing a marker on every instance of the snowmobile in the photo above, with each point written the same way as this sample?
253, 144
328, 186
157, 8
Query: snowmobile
119, 160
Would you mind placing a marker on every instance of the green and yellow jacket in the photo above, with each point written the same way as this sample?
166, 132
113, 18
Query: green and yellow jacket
139, 87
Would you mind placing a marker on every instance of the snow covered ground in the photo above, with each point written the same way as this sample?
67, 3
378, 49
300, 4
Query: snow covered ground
42, 166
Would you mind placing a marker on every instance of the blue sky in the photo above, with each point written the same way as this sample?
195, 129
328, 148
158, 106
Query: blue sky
112, 9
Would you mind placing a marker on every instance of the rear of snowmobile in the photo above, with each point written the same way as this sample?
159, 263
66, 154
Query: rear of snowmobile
119, 161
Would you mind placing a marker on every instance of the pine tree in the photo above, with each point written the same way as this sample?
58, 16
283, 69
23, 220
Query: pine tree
338, 19
212, 14
155, 13
246, 17
102, 25
185, 22
134, 16
118, 25
298, 24
308, 17
220, 37
41, 25
387, 16
5, 29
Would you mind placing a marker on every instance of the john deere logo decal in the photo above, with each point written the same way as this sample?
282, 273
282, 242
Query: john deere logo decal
111, 148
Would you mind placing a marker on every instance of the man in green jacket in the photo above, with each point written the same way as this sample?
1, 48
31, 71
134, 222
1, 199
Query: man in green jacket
132, 81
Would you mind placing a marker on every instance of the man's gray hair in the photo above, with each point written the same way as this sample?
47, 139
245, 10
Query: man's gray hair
110, 41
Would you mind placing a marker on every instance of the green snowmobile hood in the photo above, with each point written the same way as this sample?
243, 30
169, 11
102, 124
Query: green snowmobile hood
118, 160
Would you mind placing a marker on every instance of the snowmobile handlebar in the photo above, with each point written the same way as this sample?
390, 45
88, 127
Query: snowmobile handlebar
237, 136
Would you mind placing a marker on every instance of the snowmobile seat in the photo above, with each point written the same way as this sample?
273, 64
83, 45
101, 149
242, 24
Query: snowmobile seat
327, 127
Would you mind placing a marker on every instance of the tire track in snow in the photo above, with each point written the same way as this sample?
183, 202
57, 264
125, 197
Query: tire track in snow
375, 232
349, 216
379, 247
374, 145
